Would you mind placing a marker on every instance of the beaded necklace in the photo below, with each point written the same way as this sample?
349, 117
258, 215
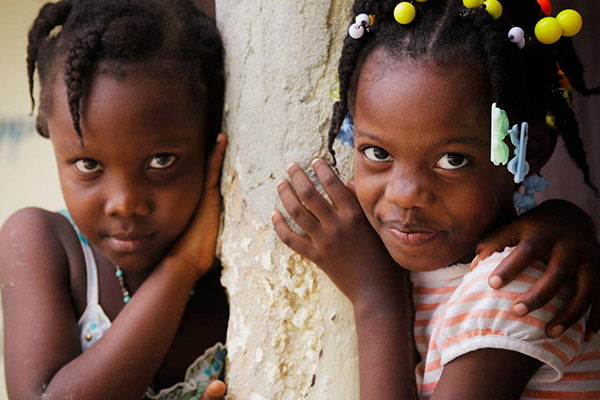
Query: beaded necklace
124, 290
121, 277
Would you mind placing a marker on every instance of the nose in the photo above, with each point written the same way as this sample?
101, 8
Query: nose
127, 198
410, 189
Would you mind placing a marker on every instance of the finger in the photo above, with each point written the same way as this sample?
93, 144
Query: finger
291, 239
215, 159
295, 209
522, 256
214, 391
495, 242
334, 187
577, 306
593, 323
555, 276
308, 193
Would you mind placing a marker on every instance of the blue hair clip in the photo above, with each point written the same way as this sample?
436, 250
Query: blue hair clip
346, 134
525, 202
518, 166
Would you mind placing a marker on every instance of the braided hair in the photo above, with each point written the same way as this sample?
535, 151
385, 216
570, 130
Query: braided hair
524, 82
82, 37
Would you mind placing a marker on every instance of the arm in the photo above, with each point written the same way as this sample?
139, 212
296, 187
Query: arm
564, 236
43, 355
343, 244
491, 374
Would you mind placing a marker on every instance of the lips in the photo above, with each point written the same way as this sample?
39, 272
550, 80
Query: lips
127, 242
412, 235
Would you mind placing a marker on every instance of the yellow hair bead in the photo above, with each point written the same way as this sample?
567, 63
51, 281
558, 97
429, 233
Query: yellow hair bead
494, 8
472, 3
404, 13
550, 120
566, 94
548, 30
571, 22
371, 19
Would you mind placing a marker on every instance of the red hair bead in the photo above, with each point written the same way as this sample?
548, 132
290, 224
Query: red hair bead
545, 6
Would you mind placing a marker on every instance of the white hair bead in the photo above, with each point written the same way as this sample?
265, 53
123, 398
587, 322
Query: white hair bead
356, 31
517, 36
363, 19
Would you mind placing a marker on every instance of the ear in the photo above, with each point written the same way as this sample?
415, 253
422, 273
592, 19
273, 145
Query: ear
540, 146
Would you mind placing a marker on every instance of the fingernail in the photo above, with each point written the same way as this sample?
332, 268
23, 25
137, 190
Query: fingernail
280, 182
475, 261
520, 309
557, 330
289, 166
495, 281
315, 161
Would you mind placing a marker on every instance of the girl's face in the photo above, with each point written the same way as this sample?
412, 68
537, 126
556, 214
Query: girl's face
135, 182
423, 172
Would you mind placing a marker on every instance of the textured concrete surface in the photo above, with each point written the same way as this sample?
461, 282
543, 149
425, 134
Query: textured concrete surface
291, 333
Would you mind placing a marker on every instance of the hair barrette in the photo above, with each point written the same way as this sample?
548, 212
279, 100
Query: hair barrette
517, 36
405, 12
361, 23
346, 133
524, 202
519, 166
493, 7
549, 29
499, 150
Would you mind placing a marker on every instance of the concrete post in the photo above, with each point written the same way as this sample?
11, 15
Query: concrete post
291, 332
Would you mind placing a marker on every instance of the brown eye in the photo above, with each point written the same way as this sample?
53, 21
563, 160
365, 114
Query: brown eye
452, 161
87, 165
161, 161
377, 154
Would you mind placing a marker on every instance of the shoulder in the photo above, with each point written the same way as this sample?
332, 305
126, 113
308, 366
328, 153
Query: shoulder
477, 278
35, 238
478, 317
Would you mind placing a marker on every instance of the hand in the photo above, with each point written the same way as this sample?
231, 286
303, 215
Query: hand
214, 391
340, 239
564, 236
198, 243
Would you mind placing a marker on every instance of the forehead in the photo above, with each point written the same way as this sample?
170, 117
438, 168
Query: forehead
136, 101
420, 96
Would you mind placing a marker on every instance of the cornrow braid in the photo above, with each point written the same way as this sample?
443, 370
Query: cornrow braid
523, 82
50, 16
113, 37
78, 64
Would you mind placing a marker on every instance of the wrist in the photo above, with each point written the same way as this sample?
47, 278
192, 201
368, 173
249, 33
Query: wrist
182, 269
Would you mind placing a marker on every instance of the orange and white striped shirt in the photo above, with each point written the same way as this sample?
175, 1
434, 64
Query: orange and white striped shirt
458, 312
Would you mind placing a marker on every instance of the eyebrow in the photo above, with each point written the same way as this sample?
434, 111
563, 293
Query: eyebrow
472, 140
465, 140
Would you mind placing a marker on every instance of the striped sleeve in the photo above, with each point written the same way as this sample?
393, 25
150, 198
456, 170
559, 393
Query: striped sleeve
477, 317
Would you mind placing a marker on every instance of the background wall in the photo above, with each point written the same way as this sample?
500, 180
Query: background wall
27, 170
565, 179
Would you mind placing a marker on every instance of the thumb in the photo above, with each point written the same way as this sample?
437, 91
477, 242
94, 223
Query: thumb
215, 390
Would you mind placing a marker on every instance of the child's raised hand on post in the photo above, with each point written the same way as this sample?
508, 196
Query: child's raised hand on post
340, 239
197, 245
564, 236
215, 390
